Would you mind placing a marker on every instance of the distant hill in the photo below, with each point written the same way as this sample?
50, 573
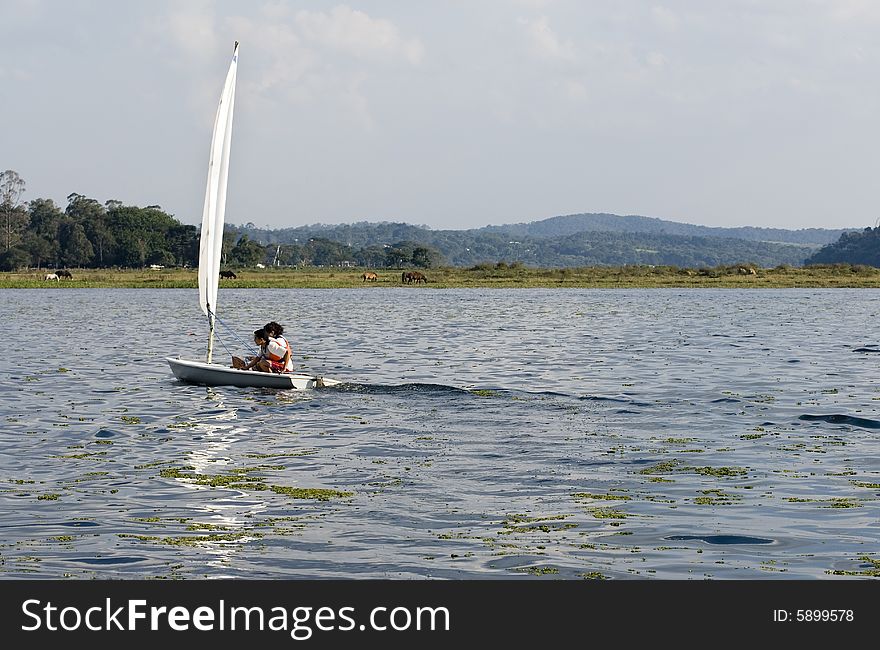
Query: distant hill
859, 247
566, 247
601, 222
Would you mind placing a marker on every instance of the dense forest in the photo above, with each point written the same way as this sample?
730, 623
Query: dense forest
860, 247
90, 234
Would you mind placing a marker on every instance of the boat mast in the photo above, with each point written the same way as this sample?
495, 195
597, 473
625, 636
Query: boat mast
210, 333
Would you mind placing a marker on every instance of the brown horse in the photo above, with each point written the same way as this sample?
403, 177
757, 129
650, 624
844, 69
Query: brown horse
369, 275
417, 277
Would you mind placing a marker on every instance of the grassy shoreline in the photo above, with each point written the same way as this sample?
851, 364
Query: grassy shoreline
484, 276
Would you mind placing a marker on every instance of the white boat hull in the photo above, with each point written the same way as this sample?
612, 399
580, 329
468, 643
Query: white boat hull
212, 374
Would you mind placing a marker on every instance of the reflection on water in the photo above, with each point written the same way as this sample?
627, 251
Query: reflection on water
519, 434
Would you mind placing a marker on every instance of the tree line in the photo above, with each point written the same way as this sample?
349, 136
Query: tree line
852, 248
87, 233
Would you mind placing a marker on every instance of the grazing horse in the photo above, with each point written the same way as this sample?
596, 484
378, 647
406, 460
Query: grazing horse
369, 275
51, 276
64, 273
406, 277
229, 275
417, 277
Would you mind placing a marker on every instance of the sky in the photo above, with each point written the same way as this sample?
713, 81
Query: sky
453, 114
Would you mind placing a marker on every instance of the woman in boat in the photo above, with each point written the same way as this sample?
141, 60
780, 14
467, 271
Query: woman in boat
275, 331
263, 362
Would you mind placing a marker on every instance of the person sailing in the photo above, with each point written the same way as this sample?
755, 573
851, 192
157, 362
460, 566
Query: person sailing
275, 354
279, 347
263, 361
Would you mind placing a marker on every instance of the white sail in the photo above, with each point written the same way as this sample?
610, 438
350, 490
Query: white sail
211, 243
210, 247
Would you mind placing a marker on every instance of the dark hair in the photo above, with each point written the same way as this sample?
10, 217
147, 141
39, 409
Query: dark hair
261, 334
273, 329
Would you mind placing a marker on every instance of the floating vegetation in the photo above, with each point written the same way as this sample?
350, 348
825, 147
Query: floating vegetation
291, 454
514, 524
198, 526
752, 436
593, 575
237, 481
319, 494
131, 419
538, 570
608, 497
719, 471
52, 496
873, 570
193, 540
661, 468
836, 502
670, 466
62, 369
716, 498
873, 486
155, 464
481, 392
608, 513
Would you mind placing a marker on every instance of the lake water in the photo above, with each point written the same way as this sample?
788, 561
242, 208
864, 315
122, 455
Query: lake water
517, 434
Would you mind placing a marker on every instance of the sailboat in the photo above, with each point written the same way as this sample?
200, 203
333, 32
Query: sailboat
210, 246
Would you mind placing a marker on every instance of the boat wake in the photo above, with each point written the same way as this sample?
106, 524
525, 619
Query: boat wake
835, 418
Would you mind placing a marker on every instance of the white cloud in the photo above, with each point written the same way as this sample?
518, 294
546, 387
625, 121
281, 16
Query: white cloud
544, 42
348, 30
848, 10
656, 60
665, 18
192, 27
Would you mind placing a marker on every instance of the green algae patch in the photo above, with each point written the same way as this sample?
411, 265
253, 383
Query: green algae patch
872, 572
481, 392
873, 486
537, 528
607, 513
666, 467
716, 498
131, 419
593, 575
517, 523
237, 481
607, 497
719, 471
192, 540
292, 454
318, 494
675, 466
53, 496
214, 480
198, 526
836, 502
538, 570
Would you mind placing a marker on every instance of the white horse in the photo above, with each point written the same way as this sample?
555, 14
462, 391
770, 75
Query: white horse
51, 276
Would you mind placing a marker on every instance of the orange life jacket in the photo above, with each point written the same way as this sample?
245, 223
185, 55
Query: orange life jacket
275, 350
